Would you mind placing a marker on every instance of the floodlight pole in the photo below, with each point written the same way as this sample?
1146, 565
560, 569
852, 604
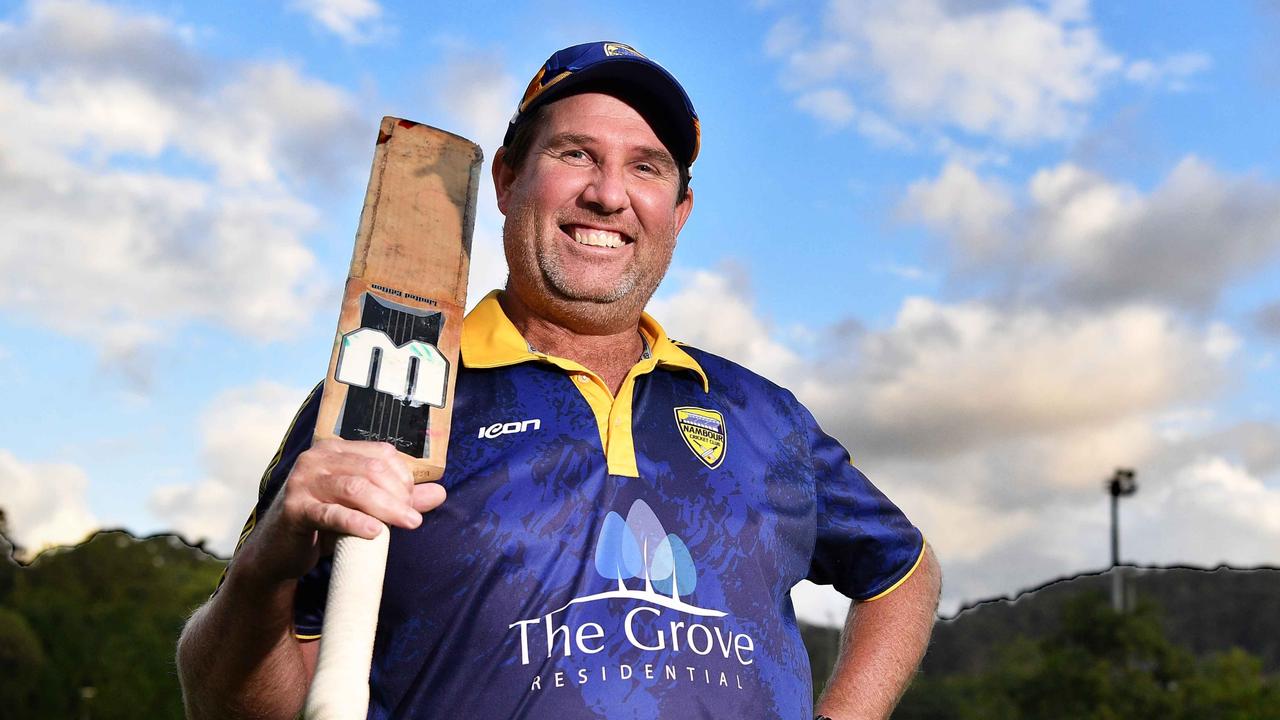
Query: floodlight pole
1115, 530
1121, 484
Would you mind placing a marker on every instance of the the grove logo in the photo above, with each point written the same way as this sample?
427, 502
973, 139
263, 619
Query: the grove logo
654, 568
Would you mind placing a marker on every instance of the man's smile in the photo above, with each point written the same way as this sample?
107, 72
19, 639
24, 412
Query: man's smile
595, 237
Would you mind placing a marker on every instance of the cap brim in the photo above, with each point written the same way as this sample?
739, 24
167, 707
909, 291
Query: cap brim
653, 89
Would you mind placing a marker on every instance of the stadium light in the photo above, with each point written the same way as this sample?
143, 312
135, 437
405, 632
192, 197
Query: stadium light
1121, 484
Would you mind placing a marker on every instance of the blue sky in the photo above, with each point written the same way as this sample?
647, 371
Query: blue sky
999, 248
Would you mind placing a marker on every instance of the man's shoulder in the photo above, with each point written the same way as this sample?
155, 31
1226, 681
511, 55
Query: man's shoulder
722, 371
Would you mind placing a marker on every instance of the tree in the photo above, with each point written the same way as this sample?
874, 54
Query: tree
104, 615
22, 660
1101, 665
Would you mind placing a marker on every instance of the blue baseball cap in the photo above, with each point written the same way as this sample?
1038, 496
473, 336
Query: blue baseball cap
619, 68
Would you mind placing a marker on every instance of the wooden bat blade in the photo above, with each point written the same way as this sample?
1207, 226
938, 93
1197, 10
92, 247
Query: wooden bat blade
395, 353
394, 364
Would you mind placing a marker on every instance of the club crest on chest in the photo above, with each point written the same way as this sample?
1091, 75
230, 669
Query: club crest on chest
704, 432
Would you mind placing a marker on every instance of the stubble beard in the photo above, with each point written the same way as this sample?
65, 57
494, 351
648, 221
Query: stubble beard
595, 308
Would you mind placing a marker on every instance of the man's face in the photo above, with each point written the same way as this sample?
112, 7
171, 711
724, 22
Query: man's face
592, 216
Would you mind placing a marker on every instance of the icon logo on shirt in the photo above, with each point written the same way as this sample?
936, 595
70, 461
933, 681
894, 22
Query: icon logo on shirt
496, 429
704, 432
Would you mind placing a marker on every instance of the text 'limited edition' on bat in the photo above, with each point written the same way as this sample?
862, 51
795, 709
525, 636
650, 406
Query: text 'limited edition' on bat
394, 362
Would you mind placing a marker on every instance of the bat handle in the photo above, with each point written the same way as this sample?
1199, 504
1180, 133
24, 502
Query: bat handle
340, 687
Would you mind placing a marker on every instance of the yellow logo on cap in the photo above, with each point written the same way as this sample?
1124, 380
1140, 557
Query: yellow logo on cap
703, 432
620, 49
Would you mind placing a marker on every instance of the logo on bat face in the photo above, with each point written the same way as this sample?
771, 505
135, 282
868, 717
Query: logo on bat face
393, 371
704, 432
414, 372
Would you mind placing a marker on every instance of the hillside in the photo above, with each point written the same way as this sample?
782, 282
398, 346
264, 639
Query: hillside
1203, 610
90, 630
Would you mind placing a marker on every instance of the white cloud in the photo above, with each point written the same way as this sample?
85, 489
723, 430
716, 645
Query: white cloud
355, 21
477, 96
962, 204
44, 503
830, 106
1212, 511
144, 186
993, 426
1021, 73
1222, 342
969, 156
1172, 72
835, 110
1021, 531
907, 272
477, 100
946, 378
786, 36
240, 431
1080, 237
734, 330
1259, 446
92, 39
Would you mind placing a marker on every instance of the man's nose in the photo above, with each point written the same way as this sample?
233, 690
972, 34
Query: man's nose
607, 190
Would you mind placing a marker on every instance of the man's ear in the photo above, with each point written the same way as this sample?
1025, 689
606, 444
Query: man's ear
683, 208
503, 177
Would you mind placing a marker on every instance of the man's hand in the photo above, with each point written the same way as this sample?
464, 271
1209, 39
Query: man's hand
238, 657
337, 487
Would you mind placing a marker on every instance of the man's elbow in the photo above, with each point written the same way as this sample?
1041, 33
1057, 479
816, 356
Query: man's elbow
930, 577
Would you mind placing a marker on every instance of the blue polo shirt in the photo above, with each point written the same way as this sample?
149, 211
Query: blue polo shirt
619, 557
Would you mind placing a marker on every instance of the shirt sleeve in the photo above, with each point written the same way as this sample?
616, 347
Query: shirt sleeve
865, 546
309, 601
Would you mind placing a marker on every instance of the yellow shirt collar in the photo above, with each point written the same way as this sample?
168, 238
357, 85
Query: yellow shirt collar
489, 339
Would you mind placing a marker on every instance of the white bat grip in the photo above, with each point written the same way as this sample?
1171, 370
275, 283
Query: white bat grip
340, 688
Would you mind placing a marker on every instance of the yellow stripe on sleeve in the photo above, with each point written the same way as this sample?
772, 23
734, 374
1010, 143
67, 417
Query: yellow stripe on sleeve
924, 544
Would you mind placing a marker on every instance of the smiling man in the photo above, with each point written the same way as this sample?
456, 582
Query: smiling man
626, 516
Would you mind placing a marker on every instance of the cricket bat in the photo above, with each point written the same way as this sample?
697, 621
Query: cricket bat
394, 362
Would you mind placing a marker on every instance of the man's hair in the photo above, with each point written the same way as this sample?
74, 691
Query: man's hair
517, 151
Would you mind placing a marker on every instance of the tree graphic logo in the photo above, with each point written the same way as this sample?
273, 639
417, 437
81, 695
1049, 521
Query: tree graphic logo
640, 549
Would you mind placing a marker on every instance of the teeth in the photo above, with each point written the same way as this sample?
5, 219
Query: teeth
597, 238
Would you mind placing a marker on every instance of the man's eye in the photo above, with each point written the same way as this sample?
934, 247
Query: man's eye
574, 155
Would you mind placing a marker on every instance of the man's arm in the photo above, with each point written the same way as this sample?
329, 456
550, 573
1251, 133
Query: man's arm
881, 647
238, 656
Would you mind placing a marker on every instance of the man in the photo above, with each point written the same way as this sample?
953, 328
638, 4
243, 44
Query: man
624, 544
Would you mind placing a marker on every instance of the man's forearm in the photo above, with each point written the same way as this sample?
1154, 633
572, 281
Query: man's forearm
881, 647
238, 658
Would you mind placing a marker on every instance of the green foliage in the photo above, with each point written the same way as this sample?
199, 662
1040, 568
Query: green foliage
22, 660
1100, 665
1205, 611
1231, 686
104, 615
